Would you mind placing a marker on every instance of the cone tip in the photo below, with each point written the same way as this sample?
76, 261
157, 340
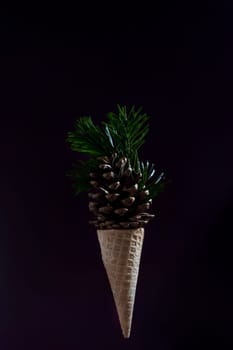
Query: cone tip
126, 335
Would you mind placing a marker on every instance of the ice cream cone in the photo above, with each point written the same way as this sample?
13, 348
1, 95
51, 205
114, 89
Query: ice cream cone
121, 253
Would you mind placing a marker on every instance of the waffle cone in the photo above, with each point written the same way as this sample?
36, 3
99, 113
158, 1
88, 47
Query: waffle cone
121, 253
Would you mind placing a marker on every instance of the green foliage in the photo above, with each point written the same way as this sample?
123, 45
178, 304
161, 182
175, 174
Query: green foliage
89, 139
128, 131
153, 182
124, 133
79, 174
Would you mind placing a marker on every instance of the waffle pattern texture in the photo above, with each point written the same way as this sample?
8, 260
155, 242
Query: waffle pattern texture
121, 253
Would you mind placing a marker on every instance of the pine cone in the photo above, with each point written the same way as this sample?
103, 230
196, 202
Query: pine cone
116, 200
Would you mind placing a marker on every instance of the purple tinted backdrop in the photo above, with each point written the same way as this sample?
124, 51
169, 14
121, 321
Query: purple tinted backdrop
59, 64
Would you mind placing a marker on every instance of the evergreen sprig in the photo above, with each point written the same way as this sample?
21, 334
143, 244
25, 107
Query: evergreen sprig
154, 182
80, 174
89, 139
128, 130
124, 133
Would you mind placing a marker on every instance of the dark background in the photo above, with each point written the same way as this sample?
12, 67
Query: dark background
59, 63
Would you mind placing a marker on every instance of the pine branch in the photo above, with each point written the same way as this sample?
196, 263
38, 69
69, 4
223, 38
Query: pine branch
123, 134
128, 131
154, 183
80, 174
89, 139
